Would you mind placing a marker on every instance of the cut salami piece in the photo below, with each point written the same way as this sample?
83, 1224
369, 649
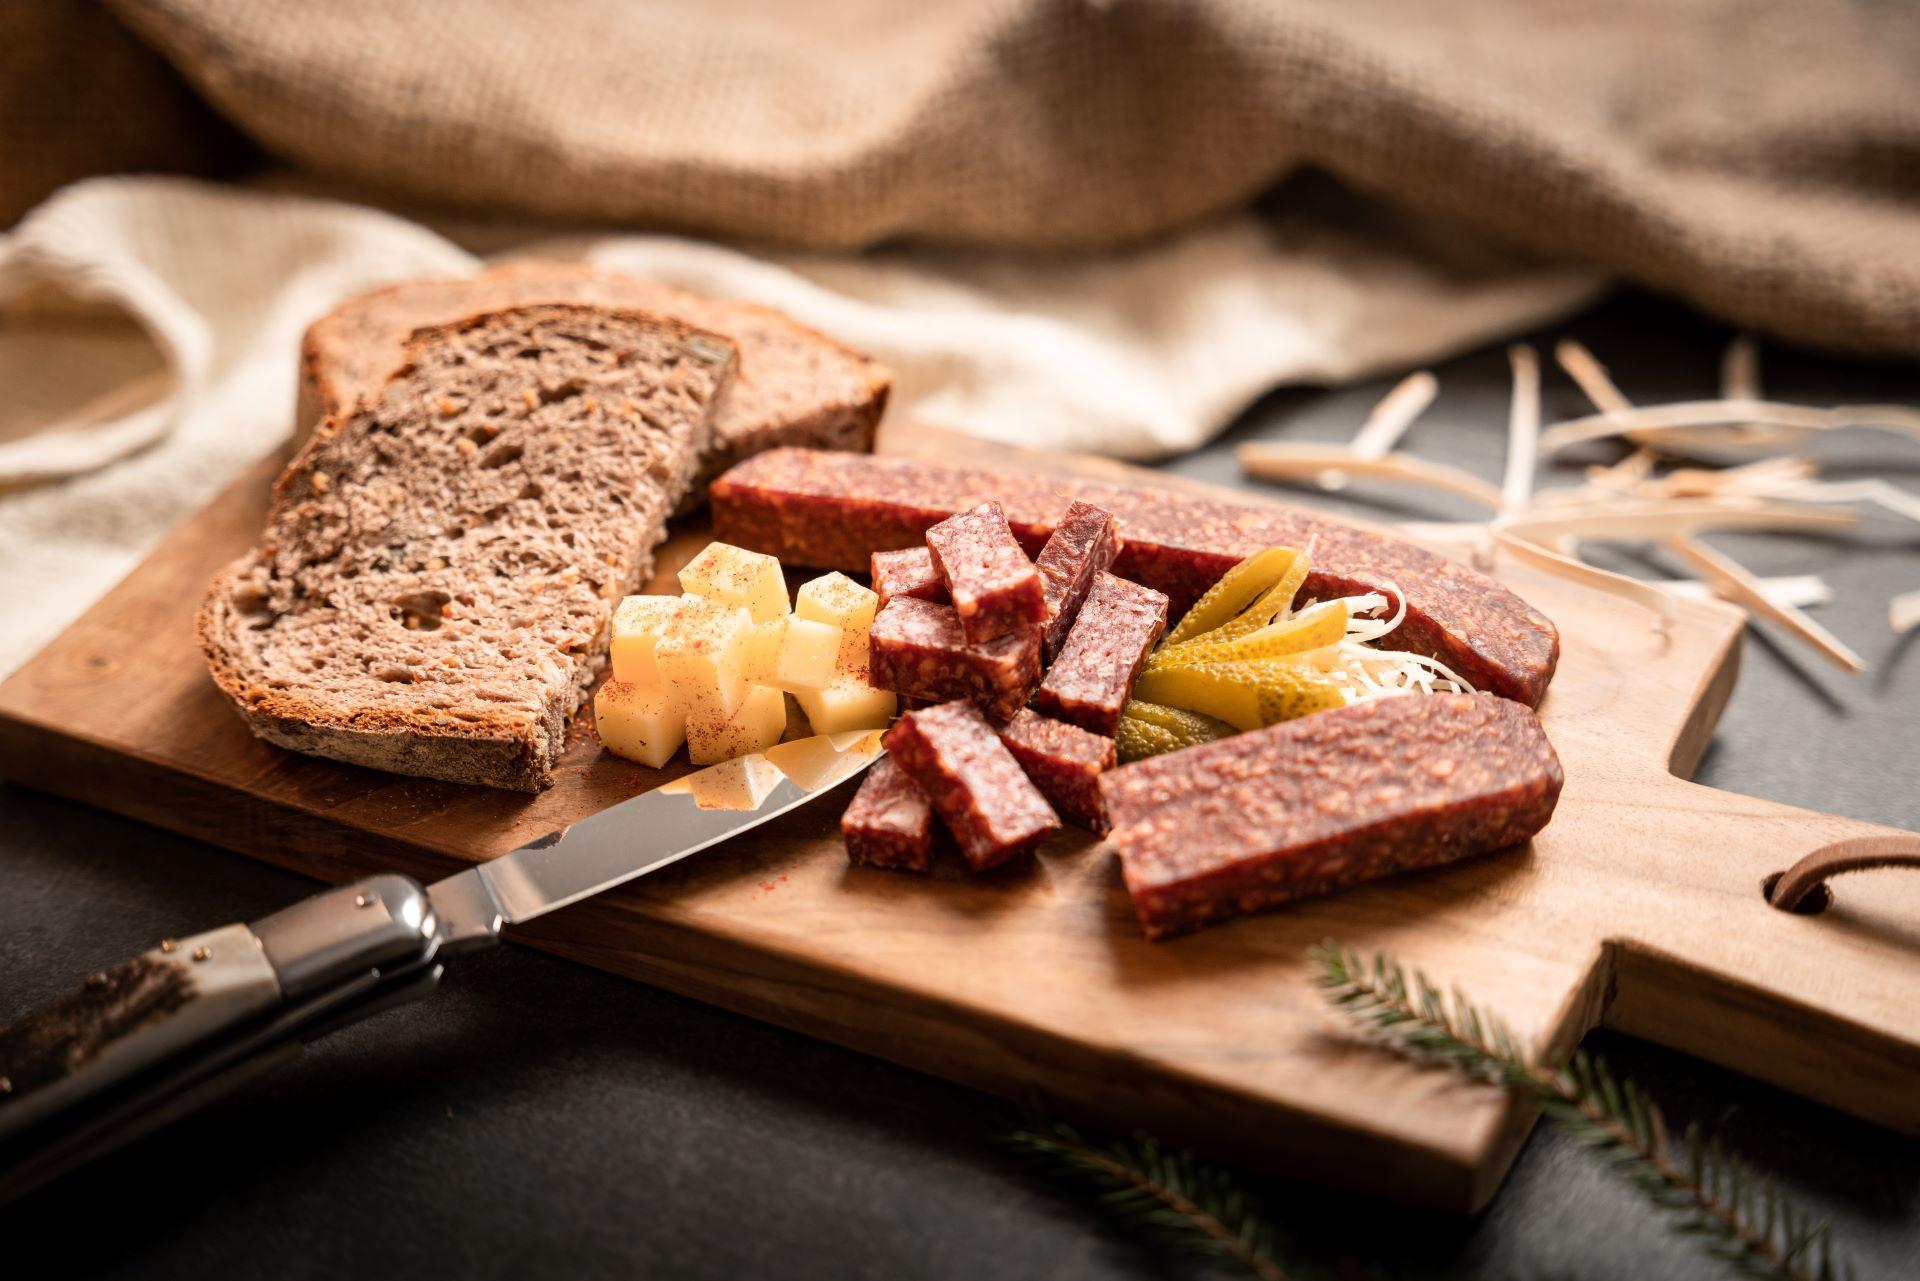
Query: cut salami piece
973, 781
907, 572
889, 823
994, 587
834, 510
1341, 796
917, 650
1081, 546
1065, 762
1105, 649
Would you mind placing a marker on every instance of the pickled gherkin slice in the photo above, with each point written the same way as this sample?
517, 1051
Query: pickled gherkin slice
1316, 629
1287, 676
1271, 604
1135, 740
1247, 695
1300, 695
1236, 662
1191, 728
1212, 689
1240, 587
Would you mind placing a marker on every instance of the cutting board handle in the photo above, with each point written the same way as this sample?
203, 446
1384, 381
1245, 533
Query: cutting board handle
1826, 1002
1802, 888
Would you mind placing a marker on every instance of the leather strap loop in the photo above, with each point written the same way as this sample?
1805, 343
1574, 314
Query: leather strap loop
1802, 888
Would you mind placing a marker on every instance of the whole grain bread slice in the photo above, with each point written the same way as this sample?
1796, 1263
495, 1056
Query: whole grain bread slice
440, 565
793, 386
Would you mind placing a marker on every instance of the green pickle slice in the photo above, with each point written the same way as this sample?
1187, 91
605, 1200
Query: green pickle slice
1191, 728
1135, 740
1316, 629
1232, 664
1238, 589
1247, 695
1270, 605
1292, 693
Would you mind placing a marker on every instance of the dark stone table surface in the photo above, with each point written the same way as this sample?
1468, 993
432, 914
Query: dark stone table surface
540, 1119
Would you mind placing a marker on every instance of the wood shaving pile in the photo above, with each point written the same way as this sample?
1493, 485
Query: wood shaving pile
1668, 490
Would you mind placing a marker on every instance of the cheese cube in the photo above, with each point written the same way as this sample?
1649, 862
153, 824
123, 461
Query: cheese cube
639, 722
699, 656
734, 576
807, 654
760, 652
846, 705
637, 624
836, 599
754, 726
851, 660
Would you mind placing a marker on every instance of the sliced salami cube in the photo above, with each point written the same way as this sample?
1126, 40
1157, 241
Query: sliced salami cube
994, 587
908, 572
1104, 651
1065, 762
1081, 546
976, 787
890, 821
918, 650
1333, 798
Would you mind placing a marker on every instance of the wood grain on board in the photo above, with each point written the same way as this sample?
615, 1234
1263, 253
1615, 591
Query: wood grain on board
1640, 906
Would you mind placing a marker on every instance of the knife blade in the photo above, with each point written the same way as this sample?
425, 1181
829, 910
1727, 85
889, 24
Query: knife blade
149, 1040
653, 830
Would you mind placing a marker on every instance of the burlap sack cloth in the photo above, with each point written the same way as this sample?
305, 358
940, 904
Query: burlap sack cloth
1760, 158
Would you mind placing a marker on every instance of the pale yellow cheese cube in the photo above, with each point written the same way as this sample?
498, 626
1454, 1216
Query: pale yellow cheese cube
639, 722
793, 654
734, 576
851, 661
637, 625
846, 705
836, 599
699, 657
760, 652
807, 655
754, 726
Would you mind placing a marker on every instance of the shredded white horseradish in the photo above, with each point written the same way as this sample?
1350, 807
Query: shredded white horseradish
1361, 670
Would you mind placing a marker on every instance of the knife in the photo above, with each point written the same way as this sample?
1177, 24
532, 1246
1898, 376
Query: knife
155, 1037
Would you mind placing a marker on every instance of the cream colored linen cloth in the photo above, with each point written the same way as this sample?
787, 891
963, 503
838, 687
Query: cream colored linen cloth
149, 331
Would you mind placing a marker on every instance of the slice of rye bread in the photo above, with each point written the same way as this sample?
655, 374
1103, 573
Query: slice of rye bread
793, 386
434, 587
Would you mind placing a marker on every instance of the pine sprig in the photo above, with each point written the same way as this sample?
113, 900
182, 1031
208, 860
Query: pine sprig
1169, 1194
1710, 1193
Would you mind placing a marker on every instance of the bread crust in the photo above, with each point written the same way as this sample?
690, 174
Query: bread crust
840, 401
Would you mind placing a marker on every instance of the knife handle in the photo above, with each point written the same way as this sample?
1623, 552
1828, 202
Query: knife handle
120, 1054
129, 1017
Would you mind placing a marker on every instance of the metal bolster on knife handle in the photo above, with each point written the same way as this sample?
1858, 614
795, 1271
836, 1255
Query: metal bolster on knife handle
139, 1044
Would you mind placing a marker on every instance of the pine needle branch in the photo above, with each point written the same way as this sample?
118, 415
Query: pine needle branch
1710, 1193
1169, 1194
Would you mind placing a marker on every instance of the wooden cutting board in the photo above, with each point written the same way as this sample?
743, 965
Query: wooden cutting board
1639, 907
